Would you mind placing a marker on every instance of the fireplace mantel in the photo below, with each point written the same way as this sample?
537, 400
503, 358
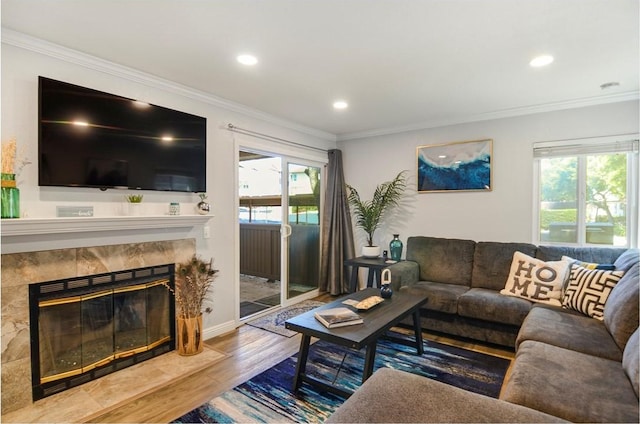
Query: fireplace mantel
36, 234
35, 226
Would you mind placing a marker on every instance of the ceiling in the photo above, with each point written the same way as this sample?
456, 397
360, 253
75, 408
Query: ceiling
400, 64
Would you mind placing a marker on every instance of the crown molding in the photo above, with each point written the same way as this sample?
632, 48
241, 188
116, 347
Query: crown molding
37, 45
505, 113
21, 40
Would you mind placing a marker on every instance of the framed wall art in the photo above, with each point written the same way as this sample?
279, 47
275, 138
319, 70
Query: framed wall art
460, 166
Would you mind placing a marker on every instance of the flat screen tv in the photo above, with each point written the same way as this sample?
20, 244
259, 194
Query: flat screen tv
88, 138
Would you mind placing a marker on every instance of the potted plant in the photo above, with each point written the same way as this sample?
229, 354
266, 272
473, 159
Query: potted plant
369, 213
134, 201
193, 280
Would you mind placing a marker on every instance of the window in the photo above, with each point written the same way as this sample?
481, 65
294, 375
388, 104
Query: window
587, 191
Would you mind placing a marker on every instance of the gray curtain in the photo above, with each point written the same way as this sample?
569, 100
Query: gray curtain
337, 232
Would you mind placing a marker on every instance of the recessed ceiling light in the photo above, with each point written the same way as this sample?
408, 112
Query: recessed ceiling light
340, 104
247, 59
543, 60
167, 138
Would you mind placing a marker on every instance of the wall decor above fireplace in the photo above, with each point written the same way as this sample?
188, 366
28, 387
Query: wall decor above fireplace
83, 328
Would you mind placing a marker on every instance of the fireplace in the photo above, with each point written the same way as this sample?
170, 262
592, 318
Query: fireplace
83, 328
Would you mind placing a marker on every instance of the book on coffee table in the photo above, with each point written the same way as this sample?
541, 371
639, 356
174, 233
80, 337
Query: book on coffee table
338, 317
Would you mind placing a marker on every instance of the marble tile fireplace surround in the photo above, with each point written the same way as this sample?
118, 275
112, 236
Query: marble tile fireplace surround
21, 269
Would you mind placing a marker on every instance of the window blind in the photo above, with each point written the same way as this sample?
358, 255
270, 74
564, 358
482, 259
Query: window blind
616, 144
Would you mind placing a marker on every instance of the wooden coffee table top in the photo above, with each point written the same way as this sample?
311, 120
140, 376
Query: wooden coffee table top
376, 320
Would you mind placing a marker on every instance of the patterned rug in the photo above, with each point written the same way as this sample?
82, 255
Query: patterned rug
274, 321
268, 398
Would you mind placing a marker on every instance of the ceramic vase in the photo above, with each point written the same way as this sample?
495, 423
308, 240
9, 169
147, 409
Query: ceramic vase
189, 335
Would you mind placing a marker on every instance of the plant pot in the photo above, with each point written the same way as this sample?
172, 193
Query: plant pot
371, 251
203, 208
189, 335
135, 209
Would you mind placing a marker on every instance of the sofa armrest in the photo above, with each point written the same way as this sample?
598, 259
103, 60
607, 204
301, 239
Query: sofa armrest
392, 396
404, 273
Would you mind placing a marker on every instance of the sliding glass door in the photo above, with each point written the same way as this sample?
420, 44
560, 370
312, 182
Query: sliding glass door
279, 219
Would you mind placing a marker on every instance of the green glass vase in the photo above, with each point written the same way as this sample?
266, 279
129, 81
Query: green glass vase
10, 196
395, 247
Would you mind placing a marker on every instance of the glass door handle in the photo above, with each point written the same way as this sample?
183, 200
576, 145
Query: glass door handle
285, 230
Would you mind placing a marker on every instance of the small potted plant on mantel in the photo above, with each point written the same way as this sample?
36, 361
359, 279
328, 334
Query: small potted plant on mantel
369, 213
134, 202
193, 280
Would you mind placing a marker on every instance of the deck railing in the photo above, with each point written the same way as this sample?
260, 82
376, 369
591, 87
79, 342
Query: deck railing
260, 252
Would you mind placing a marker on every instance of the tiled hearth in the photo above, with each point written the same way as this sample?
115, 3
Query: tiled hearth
21, 269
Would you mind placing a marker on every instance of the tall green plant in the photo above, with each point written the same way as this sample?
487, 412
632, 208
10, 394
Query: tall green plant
369, 213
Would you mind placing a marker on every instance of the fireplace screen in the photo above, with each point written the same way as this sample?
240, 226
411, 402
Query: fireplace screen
90, 326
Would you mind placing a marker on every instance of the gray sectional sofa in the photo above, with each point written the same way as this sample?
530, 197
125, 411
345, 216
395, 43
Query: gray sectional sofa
463, 279
568, 366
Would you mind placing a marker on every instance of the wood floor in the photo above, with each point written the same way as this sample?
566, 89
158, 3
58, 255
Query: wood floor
249, 352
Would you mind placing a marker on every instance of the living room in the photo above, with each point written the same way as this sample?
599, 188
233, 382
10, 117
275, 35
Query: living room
371, 154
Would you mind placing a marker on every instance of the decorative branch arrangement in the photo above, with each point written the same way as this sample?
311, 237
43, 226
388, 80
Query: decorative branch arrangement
193, 279
10, 158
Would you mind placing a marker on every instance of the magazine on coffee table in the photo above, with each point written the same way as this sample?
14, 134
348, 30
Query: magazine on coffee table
338, 317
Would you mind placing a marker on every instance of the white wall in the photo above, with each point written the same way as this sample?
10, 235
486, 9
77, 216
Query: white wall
20, 70
504, 214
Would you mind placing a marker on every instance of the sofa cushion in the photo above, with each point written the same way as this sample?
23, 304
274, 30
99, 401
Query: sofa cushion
441, 297
588, 290
621, 310
631, 360
627, 260
570, 330
601, 255
442, 260
489, 305
392, 396
492, 262
570, 385
536, 280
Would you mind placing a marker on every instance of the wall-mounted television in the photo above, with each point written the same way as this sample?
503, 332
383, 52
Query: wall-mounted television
88, 138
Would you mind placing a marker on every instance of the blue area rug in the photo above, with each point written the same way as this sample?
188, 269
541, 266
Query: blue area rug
268, 398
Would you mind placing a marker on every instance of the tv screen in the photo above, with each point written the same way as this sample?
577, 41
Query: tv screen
88, 138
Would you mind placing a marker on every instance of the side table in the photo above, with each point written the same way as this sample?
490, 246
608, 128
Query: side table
375, 266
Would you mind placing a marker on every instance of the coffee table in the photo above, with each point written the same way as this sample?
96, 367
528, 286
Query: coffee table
377, 321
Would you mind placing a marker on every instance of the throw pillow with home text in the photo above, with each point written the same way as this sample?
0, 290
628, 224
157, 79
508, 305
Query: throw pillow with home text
536, 280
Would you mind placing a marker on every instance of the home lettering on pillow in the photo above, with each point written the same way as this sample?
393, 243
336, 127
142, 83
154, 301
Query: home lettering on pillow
536, 280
